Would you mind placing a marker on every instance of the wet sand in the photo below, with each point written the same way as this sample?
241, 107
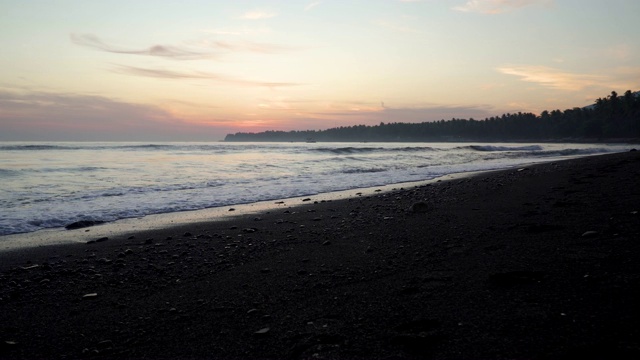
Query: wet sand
540, 262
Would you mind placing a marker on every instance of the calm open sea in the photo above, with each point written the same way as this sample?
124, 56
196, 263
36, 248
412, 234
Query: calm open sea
47, 185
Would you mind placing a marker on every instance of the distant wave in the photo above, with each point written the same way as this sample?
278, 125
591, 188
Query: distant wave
35, 147
360, 150
67, 169
503, 148
7, 172
362, 171
570, 152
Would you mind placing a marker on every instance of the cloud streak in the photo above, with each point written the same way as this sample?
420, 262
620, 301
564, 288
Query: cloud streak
35, 115
255, 47
554, 78
312, 5
171, 74
162, 51
214, 49
497, 6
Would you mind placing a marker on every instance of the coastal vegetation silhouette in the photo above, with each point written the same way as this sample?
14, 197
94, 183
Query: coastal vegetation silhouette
613, 117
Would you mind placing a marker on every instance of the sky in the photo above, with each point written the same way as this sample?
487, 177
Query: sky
196, 70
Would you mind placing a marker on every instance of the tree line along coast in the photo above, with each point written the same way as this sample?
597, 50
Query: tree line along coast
612, 118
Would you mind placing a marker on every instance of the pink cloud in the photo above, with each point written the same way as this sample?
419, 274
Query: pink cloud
55, 116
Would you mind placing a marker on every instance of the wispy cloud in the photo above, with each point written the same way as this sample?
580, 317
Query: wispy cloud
554, 78
311, 5
251, 46
206, 49
35, 115
171, 74
257, 15
497, 6
163, 51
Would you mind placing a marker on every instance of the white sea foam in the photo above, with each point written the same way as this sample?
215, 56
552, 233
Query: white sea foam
47, 185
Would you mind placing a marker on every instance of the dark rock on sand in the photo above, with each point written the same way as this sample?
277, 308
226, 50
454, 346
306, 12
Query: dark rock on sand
419, 207
83, 224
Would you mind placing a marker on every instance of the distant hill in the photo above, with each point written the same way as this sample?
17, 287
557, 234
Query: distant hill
610, 118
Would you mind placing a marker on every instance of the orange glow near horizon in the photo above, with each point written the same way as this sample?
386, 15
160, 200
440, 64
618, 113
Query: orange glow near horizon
153, 70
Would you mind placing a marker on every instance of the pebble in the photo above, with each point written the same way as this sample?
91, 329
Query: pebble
420, 207
105, 344
90, 296
590, 233
262, 331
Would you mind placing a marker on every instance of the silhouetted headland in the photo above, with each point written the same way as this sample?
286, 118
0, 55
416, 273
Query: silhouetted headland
612, 118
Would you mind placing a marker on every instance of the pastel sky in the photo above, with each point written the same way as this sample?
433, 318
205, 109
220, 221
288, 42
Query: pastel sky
199, 69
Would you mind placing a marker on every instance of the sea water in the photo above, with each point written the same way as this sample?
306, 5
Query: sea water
53, 184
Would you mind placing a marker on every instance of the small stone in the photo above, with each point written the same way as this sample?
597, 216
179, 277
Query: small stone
106, 344
90, 296
420, 207
326, 243
232, 209
262, 331
148, 241
187, 234
102, 239
30, 267
590, 234
307, 199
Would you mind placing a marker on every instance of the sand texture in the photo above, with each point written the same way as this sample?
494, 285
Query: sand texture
541, 262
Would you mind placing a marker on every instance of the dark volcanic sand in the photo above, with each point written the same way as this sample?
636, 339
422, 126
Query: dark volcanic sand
540, 263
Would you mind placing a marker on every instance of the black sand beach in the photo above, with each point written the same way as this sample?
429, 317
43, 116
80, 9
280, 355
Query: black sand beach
540, 262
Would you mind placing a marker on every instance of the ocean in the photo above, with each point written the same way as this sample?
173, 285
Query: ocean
53, 184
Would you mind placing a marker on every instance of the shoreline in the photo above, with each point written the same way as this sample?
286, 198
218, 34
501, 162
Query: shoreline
166, 221
539, 262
